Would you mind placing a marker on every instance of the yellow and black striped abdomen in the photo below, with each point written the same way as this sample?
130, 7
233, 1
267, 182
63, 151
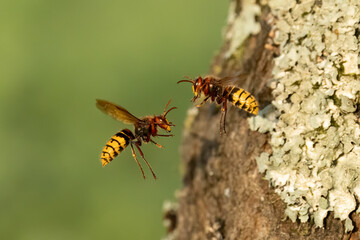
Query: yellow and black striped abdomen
115, 145
244, 100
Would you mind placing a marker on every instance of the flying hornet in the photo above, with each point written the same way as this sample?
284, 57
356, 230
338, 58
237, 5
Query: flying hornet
145, 128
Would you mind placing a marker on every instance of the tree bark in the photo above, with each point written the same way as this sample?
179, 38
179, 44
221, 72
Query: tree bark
224, 195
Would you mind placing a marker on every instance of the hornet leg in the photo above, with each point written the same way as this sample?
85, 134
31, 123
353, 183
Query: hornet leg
225, 105
137, 161
142, 155
223, 117
199, 105
158, 145
161, 135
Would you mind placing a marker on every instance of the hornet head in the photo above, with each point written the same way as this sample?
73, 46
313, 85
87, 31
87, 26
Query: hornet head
197, 84
161, 120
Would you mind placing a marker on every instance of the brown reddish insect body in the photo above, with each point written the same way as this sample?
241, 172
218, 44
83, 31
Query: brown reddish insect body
223, 90
145, 128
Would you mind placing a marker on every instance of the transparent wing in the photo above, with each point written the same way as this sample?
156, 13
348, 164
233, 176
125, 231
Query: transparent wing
116, 111
235, 80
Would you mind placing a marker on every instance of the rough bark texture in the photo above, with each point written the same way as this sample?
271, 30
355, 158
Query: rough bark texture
224, 195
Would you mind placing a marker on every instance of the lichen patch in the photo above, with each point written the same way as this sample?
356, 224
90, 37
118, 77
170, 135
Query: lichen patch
315, 138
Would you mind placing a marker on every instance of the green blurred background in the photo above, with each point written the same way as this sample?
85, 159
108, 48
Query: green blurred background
56, 58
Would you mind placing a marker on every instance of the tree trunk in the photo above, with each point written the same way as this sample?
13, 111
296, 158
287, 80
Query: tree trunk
229, 191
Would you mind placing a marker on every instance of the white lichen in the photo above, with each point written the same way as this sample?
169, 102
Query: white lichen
265, 121
315, 163
227, 192
245, 24
191, 116
170, 208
